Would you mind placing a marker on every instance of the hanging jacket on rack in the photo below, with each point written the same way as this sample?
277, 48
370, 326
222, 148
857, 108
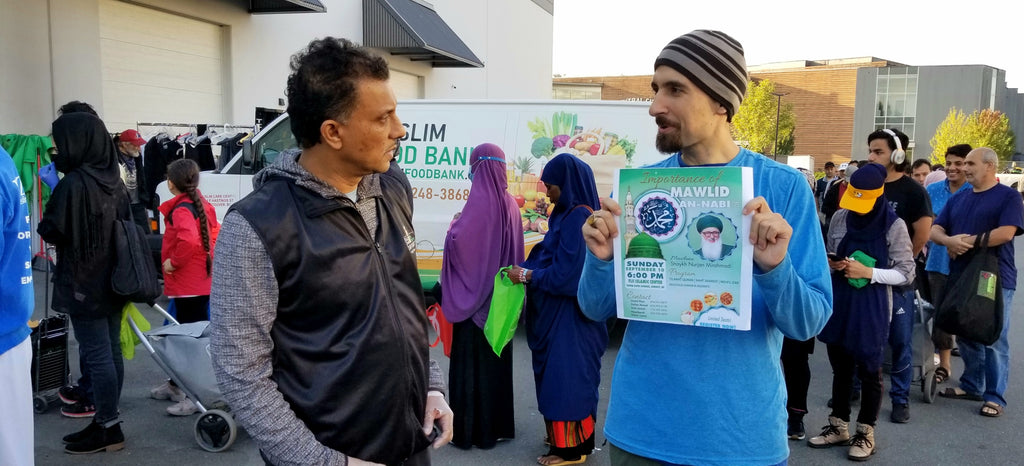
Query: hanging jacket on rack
160, 151
30, 153
201, 151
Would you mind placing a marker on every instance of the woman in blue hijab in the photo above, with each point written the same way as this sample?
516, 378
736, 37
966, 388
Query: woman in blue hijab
567, 347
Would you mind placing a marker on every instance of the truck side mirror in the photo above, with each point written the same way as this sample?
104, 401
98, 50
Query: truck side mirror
247, 155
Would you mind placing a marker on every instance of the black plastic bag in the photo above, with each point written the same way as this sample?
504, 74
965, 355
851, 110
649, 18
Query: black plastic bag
973, 305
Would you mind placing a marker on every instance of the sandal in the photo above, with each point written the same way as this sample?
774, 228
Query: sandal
579, 460
991, 409
958, 393
941, 374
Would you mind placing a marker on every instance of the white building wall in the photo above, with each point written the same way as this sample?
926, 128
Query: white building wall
513, 38
51, 52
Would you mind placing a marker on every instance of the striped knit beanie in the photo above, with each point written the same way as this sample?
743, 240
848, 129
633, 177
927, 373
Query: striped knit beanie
713, 61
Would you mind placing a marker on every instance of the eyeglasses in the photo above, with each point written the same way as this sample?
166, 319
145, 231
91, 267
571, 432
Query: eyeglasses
711, 233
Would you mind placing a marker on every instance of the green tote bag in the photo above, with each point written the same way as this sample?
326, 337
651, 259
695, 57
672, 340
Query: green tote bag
506, 306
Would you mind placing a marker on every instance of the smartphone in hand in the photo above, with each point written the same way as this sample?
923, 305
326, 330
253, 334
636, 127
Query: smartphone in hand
834, 257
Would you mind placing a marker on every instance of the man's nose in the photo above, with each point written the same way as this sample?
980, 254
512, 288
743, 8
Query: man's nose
657, 107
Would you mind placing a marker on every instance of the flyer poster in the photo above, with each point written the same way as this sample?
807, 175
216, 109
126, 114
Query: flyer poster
682, 255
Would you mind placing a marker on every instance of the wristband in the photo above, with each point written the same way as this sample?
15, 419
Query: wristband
522, 275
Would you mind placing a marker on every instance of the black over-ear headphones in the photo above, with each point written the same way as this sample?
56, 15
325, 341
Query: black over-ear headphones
898, 156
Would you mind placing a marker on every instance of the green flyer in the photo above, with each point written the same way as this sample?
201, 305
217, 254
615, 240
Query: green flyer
682, 255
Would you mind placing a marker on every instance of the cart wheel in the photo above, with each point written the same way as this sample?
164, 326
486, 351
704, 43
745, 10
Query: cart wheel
215, 430
930, 387
40, 404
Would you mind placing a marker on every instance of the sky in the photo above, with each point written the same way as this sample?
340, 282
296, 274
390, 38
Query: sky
623, 37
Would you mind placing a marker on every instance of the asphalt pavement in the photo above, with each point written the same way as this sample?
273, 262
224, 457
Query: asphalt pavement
946, 432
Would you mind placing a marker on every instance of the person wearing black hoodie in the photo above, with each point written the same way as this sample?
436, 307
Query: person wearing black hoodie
79, 221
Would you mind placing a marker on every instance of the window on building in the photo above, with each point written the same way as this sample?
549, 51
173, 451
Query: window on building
896, 99
570, 92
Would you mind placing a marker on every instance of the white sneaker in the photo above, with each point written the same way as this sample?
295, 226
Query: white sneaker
167, 392
182, 408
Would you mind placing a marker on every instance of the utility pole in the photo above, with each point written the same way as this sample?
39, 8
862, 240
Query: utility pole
778, 109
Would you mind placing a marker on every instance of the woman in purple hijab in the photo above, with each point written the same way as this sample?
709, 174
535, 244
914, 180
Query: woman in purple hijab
487, 236
567, 347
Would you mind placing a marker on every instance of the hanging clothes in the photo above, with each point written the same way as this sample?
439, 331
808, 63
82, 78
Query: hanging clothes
30, 153
198, 149
159, 152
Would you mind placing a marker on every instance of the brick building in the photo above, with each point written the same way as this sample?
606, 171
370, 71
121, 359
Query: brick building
838, 102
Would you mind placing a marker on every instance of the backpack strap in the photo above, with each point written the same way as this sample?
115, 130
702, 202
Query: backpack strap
184, 205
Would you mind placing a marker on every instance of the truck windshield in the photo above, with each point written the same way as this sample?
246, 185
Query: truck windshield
275, 140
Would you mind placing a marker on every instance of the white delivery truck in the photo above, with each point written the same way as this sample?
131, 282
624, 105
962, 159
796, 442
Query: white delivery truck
435, 156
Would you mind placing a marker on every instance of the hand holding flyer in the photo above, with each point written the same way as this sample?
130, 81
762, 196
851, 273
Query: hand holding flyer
685, 250
769, 233
602, 229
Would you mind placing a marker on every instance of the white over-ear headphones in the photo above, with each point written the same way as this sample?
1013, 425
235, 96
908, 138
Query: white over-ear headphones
898, 156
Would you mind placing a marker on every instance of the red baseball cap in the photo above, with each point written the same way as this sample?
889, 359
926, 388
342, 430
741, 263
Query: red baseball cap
132, 136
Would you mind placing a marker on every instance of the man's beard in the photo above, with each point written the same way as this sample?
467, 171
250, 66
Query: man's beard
667, 143
711, 250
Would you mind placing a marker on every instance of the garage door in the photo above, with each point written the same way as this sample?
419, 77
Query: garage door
159, 67
406, 86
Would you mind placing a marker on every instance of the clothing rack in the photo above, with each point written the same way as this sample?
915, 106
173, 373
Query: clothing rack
145, 128
208, 125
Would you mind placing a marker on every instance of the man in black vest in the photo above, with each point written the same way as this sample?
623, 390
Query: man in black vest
319, 335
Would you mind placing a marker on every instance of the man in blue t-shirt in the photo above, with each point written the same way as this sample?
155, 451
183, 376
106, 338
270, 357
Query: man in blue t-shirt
937, 264
16, 302
988, 207
682, 394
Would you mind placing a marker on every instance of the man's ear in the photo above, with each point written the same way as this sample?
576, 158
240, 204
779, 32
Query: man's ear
332, 133
721, 110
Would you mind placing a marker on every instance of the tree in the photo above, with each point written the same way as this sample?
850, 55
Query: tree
991, 128
982, 128
754, 122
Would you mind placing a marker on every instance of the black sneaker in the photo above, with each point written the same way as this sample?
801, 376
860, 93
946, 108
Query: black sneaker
97, 439
71, 394
796, 430
78, 410
900, 414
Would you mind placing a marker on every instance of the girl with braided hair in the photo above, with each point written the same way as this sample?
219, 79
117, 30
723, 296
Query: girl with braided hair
190, 233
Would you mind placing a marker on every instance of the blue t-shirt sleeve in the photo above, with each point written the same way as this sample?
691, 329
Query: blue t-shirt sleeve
596, 292
798, 292
1013, 213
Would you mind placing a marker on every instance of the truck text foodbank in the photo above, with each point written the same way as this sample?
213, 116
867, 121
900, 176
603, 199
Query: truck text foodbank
433, 160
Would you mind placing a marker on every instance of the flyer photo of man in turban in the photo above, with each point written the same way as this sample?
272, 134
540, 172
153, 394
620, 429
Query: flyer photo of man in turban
712, 248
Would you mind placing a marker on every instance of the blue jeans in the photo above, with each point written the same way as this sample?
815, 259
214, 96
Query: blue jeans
987, 368
99, 343
901, 333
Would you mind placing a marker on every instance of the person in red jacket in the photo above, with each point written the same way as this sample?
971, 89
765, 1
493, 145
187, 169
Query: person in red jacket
190, 233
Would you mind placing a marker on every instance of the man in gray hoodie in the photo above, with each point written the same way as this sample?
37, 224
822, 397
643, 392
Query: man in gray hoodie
319, 336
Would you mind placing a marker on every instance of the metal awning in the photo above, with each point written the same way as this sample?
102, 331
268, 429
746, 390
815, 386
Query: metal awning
286, 6
413, 29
